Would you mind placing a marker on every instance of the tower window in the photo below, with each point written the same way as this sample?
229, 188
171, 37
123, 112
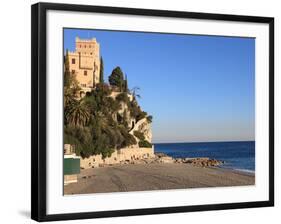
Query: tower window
85, 73
73, 60
73, 72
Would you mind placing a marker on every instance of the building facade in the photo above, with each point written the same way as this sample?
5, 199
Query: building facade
84, 62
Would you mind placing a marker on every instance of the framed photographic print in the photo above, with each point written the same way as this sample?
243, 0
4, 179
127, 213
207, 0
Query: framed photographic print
139, 111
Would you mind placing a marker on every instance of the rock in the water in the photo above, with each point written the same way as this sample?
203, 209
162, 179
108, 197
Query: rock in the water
202, 162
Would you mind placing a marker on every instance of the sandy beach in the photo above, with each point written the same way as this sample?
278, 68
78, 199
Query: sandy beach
145, 177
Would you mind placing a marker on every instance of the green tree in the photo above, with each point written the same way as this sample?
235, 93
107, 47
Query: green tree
117, 78
101, 71
77, 113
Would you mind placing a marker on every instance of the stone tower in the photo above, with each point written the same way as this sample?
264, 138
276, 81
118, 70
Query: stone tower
84, 62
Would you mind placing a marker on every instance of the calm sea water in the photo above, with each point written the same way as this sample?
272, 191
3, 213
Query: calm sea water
237, 155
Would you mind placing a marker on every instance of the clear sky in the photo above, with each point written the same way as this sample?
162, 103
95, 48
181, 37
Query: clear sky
197, 88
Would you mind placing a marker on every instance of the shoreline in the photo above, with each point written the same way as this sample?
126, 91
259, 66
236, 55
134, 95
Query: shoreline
243, 171
155, 176
214, 163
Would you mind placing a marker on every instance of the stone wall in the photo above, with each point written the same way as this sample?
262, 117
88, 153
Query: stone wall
117, 157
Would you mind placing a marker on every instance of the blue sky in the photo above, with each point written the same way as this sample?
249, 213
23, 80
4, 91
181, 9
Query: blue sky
197, 88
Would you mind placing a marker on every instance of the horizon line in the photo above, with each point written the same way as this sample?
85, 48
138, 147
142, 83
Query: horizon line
203, 141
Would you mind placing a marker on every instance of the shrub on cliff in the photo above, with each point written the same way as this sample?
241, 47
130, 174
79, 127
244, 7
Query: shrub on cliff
149, 119
128, 138
135, 111
123, 97
139, 135
141, 115
145, 144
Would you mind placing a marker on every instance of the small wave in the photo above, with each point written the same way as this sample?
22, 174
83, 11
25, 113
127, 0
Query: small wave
246, 171
239, 169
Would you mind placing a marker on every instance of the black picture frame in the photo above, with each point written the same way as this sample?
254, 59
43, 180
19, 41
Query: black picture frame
38, 110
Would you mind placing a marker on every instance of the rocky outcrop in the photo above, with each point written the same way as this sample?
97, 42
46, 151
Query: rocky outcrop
200, 161
144, 127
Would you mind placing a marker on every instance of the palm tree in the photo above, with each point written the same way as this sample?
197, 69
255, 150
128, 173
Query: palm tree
71, 86
134, 92
69, 97
77, 113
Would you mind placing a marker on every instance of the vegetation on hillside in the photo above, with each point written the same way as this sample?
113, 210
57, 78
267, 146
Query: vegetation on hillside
145, 144
142, 142
93, 123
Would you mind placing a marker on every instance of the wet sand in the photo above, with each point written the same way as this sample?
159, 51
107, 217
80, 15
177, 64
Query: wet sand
146, 177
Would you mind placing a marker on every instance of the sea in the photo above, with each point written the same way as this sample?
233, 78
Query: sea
236, 155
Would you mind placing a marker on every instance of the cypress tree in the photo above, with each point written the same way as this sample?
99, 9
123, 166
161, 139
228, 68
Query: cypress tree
125, 84
101, 71
66, 70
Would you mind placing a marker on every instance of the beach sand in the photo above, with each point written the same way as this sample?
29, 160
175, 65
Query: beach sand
146, 177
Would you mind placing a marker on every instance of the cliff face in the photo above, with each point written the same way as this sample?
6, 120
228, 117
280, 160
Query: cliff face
124, 110
144, 127
125, 113
141, 126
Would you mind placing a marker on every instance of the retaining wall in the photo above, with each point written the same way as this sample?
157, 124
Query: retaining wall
117, 157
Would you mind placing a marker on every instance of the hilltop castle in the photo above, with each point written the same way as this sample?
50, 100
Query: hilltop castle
84, 62
131, 127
